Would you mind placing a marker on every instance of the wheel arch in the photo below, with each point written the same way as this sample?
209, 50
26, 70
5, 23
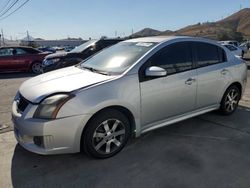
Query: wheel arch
32, 62
119, 108
238, 85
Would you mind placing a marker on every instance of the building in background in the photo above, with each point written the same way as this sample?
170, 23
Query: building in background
51, 43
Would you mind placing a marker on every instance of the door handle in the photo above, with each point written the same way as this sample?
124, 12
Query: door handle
190, 81
224, 71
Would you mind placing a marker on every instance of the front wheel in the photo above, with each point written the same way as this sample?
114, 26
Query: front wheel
106, 134
37, 68
230, 100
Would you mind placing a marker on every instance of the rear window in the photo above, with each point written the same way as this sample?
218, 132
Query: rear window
31, 50
231, 48
208, 54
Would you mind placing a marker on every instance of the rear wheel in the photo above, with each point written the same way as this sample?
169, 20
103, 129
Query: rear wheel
230, 100
36, 68
106, 134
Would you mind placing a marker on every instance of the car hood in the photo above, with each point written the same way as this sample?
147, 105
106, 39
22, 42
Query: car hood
62, 80
57, 55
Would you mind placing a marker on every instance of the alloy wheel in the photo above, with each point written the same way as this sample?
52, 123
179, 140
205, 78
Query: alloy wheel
232, 100
37, 68
109, 136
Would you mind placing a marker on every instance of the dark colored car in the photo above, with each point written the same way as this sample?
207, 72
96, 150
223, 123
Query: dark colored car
75, 56
16, 58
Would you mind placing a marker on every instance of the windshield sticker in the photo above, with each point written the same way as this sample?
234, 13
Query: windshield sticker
145, 44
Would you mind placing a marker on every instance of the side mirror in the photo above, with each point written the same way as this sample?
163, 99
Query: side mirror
155, 71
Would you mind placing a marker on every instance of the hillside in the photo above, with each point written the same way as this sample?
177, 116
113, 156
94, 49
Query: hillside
146, 32
238, 22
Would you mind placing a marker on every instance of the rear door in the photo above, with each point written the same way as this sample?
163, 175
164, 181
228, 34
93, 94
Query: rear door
213, 73
21, 58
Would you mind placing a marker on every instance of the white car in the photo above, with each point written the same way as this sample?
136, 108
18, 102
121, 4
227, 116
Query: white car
236, 44
235, 50
244, 47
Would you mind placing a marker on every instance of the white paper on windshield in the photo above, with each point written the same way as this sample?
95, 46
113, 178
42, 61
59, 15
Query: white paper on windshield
144, 44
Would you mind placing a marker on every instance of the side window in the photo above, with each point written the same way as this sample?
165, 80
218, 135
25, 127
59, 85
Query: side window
208, 54
6, 52
31, 51
20, 51
173, 58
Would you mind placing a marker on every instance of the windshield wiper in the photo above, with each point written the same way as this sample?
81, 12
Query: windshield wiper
89, 68
95, 70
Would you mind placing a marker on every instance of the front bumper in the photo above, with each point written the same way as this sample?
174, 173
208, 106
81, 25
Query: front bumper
48, 136
48, 68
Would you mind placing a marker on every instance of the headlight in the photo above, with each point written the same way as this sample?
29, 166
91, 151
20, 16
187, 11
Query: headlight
50, 106
48, 62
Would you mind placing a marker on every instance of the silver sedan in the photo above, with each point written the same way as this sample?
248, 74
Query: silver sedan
128, 89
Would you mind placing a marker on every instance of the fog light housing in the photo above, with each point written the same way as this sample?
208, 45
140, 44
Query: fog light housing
38, 140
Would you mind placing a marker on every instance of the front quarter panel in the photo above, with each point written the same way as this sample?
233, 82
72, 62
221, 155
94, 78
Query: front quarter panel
123, 91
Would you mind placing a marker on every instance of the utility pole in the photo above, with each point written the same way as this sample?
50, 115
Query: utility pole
0, 40
2, 36
28, 36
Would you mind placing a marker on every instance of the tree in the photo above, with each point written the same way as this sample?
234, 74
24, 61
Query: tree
222, 35
229, 35
237, 36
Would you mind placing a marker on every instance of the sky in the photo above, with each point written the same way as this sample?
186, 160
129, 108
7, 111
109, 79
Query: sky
57, 19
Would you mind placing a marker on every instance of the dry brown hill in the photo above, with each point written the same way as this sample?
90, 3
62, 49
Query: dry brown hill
146, 32
237, 22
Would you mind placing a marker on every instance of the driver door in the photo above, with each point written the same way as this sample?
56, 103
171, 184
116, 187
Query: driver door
173, 94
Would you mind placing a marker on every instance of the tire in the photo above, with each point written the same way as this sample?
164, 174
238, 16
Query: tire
36, 68
230, 100
106, 134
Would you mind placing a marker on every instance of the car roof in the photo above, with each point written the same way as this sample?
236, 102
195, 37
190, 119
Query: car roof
110, 39
227, 41
160, 39
228, 45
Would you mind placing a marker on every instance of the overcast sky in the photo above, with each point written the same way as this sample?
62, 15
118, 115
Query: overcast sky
56, 19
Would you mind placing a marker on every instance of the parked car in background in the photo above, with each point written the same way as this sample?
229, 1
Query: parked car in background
245, 46
232, 42
127, 89
17, 58
66, 59
237, 44
68, 48
47, 49
235, 50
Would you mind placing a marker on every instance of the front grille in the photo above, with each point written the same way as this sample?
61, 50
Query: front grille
22, 104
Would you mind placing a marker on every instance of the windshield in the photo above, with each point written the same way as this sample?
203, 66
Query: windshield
82, 47
116, 59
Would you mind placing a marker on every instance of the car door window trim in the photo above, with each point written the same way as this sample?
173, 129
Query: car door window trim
141, 72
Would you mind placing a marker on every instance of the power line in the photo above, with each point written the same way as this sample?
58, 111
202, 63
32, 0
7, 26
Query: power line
5, 5
15, 10
4, 12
